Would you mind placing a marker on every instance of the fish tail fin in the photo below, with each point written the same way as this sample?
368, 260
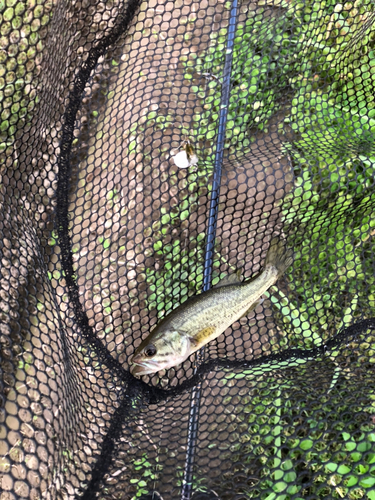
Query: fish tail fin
279, 256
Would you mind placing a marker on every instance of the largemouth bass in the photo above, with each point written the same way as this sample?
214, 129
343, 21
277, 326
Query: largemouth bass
204, 317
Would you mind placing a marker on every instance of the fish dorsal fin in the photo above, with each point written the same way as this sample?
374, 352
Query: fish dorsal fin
230, 279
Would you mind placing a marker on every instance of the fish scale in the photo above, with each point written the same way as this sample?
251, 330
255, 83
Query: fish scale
221, 308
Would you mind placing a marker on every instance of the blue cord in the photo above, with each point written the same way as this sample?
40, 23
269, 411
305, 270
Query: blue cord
210, 243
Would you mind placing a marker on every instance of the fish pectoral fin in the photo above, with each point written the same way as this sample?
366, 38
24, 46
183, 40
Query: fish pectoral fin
252, 307
200, 338
193, 342
230, 279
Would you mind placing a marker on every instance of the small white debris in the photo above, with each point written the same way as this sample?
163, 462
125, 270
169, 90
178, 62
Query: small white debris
183, 160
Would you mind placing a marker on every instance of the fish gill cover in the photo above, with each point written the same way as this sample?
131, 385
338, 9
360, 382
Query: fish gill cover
148, 152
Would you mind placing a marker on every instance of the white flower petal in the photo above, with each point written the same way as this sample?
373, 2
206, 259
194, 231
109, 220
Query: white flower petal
181, 160
193, 160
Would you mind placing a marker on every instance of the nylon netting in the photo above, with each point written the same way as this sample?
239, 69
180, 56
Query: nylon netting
104, 232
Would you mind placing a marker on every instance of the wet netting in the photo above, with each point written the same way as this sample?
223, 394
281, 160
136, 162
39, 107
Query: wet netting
149, 149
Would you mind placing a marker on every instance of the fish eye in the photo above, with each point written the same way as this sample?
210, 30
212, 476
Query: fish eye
150, 350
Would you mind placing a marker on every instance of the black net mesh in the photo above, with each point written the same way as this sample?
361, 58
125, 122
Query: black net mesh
148, 150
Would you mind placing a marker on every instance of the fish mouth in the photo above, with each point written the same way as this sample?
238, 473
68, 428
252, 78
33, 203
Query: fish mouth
144, 368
